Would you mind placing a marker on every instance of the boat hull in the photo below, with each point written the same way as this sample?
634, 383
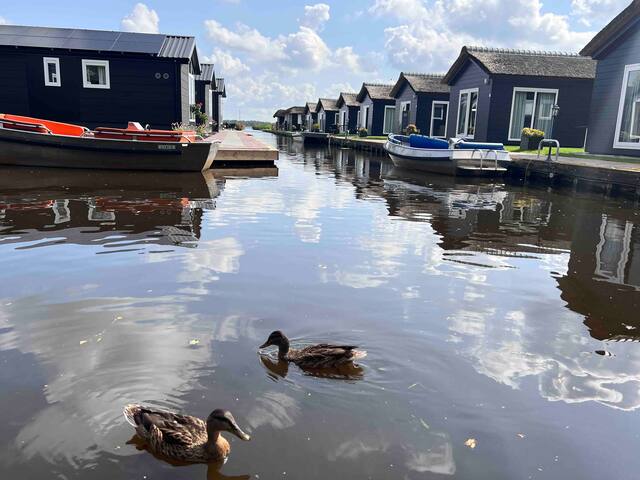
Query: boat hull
30, 149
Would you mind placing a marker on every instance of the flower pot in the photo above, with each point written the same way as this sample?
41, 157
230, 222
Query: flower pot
530, 143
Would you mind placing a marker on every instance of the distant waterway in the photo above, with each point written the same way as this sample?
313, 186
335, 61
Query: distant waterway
501, 321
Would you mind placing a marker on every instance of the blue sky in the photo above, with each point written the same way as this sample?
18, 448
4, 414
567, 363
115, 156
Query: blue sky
285, 52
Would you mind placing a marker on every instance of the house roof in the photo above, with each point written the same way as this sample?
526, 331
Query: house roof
207, 73
294, 110
310, 107
327, 104
279, 113
160, 45
420, 83
220, 87
348, 99
629, 16
499, 61
376, 91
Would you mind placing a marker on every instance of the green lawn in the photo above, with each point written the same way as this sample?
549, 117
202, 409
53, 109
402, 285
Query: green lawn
566, 151
370, 137
575, 153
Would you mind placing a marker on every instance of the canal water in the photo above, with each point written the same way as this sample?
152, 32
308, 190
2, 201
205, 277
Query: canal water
501, 321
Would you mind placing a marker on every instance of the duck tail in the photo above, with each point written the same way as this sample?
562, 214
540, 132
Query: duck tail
130, 413
359, 354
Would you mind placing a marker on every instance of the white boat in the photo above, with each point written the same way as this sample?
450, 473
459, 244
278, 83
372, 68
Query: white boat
456, 157
297, 137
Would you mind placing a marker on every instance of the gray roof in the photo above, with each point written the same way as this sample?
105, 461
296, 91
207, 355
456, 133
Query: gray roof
619, 25
310, 107
376, 91
348, 99
295, 110
207, 73
421, 83
328, 104
220, 87
500, 61
168, 46
279, 113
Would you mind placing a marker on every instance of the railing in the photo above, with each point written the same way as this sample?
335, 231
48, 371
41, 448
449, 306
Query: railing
549, 142
485, 157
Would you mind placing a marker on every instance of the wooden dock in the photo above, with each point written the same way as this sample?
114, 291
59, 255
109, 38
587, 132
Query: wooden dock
358, 143
241, 149
600, 174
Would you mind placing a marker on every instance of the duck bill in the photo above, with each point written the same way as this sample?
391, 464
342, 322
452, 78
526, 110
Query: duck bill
237, 431
265, 345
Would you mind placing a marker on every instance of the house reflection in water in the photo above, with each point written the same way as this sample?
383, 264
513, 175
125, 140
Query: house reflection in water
118, 209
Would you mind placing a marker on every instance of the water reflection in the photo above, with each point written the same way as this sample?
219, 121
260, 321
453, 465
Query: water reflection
279, 369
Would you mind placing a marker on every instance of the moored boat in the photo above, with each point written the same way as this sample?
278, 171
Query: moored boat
457, 157
34, 142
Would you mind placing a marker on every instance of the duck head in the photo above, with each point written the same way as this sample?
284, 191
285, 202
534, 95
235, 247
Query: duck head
222, 421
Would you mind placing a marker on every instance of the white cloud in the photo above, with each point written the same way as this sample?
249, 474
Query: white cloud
226, 65
347, 57
3, 21
245, 39
597, 12
141, 19
315, 16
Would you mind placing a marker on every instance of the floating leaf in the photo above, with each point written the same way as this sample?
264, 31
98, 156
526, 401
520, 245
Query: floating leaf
424, 424
194, 341
471, 443
82, 342
521, 435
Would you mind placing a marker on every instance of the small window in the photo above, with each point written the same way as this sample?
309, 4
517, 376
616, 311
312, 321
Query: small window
52, 72
192, 97
95, 74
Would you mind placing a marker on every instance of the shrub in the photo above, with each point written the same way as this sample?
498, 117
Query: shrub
532, 132
239, 126
362, 132
315, 127
411, 129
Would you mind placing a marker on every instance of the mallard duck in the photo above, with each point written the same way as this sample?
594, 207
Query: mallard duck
323, 355
183, 437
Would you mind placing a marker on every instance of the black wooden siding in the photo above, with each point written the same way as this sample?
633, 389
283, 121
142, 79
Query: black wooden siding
329, 120
203, 96
135, 93
352, 117
421, 105
216, 111
606, 93
375, 124
495, 97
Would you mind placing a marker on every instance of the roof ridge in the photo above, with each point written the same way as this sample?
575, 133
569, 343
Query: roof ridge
516, 51
427, 75
378, 84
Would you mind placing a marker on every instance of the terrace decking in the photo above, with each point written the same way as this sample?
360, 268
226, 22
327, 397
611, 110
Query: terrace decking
240, 149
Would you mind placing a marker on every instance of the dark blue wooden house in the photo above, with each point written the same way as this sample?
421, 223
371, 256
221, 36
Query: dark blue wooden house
310, 115
495, 93
294, 118
94, 78
205, 85
217, 99
327, 114
280, 116
614, 123
348, 108
377, 108
422, 100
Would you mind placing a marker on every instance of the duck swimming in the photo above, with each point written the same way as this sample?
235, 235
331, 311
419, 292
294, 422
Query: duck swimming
183, 437
318, 356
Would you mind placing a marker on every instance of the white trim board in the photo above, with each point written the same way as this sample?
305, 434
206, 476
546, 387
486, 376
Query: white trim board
101, 63
446, 120
56, 61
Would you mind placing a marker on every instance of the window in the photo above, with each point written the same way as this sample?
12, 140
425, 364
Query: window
343, 121
192, 97
336, 119
95, 74
389, 114
439, 119
628, 123
52, 72
467, 113
405, 114
532, 108
358, 119
365, 116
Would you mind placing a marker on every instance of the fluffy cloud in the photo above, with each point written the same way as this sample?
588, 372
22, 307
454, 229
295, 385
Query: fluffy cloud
428, 35
315, 16
141, 19
245, 39
226, 64
591, 12
3, 21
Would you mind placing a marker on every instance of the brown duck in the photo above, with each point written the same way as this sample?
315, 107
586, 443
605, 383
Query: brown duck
183, 437
319, 356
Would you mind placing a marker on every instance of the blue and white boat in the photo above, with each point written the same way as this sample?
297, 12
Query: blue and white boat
454, 157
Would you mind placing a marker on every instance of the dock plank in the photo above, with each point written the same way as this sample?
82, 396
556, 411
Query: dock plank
241, 148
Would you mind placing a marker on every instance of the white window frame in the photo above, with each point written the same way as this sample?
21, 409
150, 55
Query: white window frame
98, 63
343, 120
446, 120
468, 92
384, 120
192, 97
634, 67
365, 116
56, 61
358, 119
535, 92
402, 105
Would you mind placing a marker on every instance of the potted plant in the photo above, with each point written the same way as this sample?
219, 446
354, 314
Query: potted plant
411, 129
315, 127
530, 139
362, 132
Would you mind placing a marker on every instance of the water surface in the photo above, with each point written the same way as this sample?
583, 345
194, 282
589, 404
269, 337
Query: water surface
500, 313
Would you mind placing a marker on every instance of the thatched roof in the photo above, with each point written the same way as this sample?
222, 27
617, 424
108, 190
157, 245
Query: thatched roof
295, 110
613, 30
310, 107
376, 91
499, 61
280, 113
348, 99
420, 83
328, 104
